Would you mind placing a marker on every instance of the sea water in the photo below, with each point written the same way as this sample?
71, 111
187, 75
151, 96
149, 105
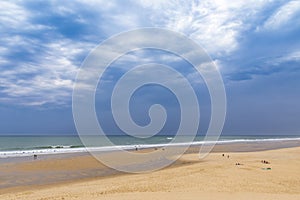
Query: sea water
15, 146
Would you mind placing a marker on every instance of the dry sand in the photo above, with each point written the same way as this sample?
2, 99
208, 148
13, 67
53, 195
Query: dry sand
215, 177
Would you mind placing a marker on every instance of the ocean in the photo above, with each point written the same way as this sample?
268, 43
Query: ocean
16, 146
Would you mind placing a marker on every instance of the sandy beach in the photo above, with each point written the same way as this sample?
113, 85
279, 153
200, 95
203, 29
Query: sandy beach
241, 176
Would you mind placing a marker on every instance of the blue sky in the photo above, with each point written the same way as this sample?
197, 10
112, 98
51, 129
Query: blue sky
255, 44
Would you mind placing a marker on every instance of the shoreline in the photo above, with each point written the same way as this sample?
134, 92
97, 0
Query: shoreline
272, 143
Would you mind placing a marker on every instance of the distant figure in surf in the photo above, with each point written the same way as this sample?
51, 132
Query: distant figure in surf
34, 156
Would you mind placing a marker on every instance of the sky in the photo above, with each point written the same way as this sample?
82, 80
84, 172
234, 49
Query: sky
255, 45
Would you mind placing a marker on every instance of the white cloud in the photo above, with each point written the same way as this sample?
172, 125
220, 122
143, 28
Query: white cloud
289, 57
283, 17
294, 56
17, 18
156, 4
50, 66
99, 4
49, 79
216, 25
12, 15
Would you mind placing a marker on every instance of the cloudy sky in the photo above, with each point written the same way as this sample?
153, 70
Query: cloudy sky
255, 45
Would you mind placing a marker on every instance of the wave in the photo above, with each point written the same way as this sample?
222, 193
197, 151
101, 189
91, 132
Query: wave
43, 147
58, 149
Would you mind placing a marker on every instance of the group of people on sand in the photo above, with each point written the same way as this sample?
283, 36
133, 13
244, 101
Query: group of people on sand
262, 161
228, 157
265, 162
